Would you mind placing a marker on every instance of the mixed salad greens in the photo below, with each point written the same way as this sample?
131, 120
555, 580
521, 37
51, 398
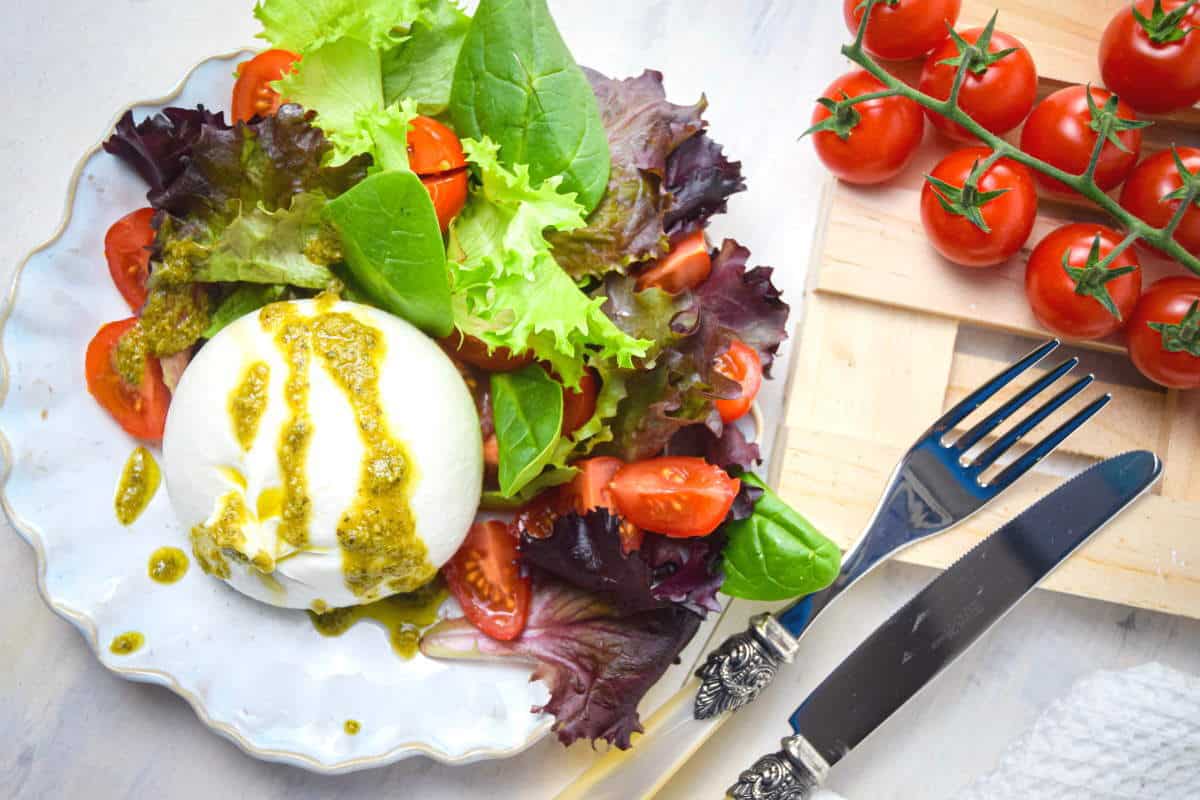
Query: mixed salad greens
546, 224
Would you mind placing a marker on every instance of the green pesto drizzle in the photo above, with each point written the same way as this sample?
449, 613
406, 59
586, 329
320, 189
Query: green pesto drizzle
127, 643
247, 402
167, 565
139, 481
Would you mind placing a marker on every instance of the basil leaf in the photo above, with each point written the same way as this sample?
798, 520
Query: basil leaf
393, 247
245, 299
776, 554
528, 409
517, 84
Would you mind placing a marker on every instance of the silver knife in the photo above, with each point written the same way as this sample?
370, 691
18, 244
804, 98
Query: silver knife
941, 623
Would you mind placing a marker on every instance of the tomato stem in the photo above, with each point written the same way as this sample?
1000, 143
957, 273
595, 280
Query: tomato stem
1084, 183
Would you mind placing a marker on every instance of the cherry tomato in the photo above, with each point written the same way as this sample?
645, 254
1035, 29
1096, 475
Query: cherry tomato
537, 517
685, 267
1010, 216
252, 94
1173, 304
676, 496
1059, 131
141, 410
579, 405
126, 248
739, 363
885, 134
1151, 181
591, 487
998, 99
474, 352
902, 29
436, 154
1152, 76
1061, 302
486, 580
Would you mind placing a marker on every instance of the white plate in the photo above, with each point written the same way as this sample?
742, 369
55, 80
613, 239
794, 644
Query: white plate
262, 677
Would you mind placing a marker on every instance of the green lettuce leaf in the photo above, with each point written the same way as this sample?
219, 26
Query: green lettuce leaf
422, 68
343, 83
393, 247
301, 25
245, 299
508, 290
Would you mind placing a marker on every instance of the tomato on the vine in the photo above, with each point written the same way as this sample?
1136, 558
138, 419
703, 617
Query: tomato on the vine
252, 94
1148, 194
999, 88
1164, 333
983, 224
1068, 290
127, 251
1064, 128
868, 142
902, 29
1150, 54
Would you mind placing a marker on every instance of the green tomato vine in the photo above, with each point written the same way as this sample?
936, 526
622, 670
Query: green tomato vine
1105, 122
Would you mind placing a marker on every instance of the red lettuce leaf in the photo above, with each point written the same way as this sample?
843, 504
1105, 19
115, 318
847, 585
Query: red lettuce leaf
745, 304
158, 146
700, 179
727, 450
598, 666
644, 129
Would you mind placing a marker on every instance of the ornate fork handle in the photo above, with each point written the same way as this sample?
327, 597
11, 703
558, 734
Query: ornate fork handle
735, 673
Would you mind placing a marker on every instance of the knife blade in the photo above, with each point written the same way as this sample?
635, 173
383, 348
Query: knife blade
941, 623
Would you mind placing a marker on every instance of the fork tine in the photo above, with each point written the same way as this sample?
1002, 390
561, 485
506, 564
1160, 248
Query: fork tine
1001, 445
996, 418
1046, 446
981, 395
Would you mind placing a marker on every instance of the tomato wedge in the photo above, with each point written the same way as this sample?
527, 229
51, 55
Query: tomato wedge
579, 405
474, 352
592, 489
486, 580
140, 410
739, 363
685, 267
676, 496
126, 250
252, 94
436, 154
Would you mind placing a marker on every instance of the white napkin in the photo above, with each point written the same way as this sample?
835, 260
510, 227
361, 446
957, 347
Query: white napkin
1131, 735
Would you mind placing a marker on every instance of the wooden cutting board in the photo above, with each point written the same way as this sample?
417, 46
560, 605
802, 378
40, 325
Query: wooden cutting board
892, 335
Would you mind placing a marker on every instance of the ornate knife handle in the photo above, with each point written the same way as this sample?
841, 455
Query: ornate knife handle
735, 673
794, 773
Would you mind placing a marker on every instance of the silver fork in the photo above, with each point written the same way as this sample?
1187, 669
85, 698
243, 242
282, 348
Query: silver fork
936, 485
933, 488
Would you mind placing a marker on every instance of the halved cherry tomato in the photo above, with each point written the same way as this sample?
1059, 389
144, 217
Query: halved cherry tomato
491, 454
537, 517
436, 154
126, 250
685, 267
474, 352
486, 580
1164, 333
252, 94
592, 489
739, 363
579, 405
998, 98
676, 496
1153, 66
1073, 305
140, 410
1060, 132
902, 29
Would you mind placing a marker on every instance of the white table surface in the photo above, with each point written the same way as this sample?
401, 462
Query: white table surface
70, 729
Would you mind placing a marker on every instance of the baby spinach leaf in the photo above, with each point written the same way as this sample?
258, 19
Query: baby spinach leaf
517, 83
776, 554
528, 409
422, 67
393, 247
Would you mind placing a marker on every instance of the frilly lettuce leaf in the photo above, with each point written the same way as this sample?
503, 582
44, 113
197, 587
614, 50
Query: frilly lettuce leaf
302, 25
158, 146
597, 665
342, 82
422, 68
700, 180
508, 289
